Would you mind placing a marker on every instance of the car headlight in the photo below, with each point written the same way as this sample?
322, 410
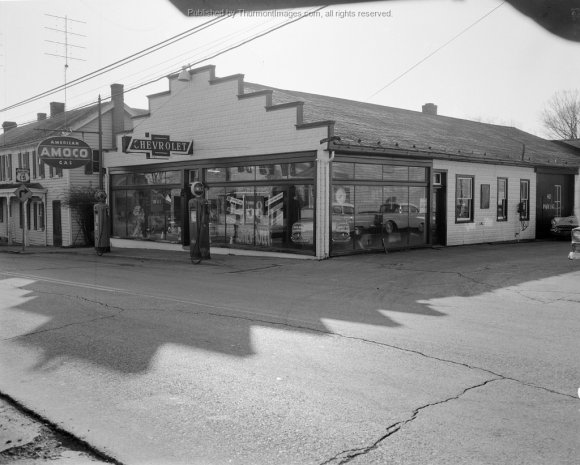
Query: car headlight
553, 222
576, 235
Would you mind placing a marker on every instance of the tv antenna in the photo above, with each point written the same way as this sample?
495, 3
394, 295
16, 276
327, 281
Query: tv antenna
66, 44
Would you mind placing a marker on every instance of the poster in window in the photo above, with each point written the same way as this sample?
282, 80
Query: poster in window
484, 202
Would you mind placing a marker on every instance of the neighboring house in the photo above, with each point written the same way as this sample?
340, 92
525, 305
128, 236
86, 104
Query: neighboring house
277, 161
48, 221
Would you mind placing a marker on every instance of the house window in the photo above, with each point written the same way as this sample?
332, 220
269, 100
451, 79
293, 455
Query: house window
41, 172
37, 216
464, 199
558, 200
502, 199
524, 199
93, 165
34, 163
484, 197
6, 167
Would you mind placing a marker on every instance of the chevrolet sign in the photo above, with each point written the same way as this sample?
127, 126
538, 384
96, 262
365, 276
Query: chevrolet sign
160, 146
64, 152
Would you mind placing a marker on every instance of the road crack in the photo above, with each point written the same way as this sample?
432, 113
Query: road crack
349, 454
119, 310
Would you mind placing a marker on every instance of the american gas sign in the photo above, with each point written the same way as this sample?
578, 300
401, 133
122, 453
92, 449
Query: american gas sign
64, 152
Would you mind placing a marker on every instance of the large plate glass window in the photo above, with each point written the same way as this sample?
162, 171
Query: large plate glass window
262, 206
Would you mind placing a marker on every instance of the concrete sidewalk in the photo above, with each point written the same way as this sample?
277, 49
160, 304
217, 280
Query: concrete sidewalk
142, 251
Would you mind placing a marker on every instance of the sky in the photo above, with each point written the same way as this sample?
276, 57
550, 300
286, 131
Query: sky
502, 70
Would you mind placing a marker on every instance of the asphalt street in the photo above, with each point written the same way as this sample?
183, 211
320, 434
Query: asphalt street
441, 356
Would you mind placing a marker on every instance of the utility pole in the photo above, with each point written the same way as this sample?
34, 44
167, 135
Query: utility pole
66, 46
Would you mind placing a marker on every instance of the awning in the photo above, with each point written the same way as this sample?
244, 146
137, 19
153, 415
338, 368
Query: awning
9, 190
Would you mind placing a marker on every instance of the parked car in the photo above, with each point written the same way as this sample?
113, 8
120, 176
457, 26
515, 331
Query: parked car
342, 224
562, 226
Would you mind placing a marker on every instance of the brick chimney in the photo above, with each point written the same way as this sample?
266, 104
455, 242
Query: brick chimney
40, 116
56, 108
117, 97
7, 125
430, 109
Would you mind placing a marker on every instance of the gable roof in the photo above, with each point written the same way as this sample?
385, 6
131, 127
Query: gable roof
32, 132
365, 126
74, 119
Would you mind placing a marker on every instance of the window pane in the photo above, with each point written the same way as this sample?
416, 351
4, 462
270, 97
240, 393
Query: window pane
173, 177
367, 232
220, 230
271, 172
301, 216
418, 220
119, 179
215, 175
305, 170
342, 170
368, 171
395, 173
241, 173
417, 174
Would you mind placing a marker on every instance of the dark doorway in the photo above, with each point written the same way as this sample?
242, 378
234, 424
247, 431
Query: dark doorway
56, 224
438, 210
554, 197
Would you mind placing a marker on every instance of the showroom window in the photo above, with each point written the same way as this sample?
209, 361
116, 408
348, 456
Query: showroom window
266, 206
376, 206
148, 206
464, 199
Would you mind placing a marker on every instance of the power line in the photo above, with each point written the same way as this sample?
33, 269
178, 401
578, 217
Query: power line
221, 52
121, 62
233, 47
435, 51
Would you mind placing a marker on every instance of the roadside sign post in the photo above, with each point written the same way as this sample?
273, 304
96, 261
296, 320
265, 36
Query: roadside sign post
24, 194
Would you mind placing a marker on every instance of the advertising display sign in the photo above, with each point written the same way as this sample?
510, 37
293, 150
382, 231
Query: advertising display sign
64, 152
159, 146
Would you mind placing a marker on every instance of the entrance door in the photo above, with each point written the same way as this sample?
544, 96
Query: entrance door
56, 224
439, 214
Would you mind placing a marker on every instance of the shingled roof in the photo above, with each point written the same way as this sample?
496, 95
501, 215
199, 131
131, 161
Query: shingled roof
366, 126
33, 132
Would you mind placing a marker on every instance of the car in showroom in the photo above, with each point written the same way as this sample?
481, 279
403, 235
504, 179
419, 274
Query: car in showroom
392, 217
342, 224
562, 226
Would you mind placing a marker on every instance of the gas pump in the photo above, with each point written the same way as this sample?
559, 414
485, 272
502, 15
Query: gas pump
198, 224
101, 212
575, 252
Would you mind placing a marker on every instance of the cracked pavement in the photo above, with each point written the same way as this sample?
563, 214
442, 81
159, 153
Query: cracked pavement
460, 355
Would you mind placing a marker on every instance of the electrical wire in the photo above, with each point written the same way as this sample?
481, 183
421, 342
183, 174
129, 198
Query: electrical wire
122, 62
286, 23
214, 55
435, 51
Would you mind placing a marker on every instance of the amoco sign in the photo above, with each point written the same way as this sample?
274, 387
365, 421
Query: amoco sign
64, 152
